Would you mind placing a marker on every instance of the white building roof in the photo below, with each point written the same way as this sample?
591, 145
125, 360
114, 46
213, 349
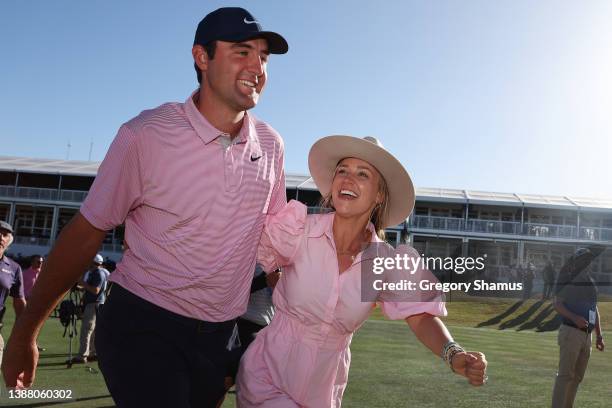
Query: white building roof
49, 166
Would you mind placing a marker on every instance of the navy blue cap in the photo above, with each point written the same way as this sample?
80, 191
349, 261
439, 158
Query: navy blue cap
235, 24
6, 226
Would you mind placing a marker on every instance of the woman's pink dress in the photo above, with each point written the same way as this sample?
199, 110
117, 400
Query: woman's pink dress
302, 358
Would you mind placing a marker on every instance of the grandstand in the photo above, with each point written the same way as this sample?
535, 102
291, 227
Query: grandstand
39, 196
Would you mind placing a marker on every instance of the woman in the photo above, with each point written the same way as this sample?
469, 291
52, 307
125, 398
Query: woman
302, 358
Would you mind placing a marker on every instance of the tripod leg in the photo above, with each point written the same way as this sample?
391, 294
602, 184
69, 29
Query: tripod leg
70, 335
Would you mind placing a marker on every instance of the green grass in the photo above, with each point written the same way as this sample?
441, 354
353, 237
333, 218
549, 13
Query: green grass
391, 368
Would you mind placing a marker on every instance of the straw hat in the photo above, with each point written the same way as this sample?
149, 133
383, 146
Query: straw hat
327, 152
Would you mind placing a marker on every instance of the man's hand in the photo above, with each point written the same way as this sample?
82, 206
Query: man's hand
471, 365
19, 363
580, 322
600, 343
272, 278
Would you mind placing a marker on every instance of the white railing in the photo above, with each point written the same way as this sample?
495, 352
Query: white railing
510, 228
549, 230
596, 233
438, 223
74, 196
317, 210
40, 241
46, 194
112, 247
7, 191
494, 227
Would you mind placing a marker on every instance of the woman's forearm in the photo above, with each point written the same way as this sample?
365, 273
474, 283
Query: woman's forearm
430, 331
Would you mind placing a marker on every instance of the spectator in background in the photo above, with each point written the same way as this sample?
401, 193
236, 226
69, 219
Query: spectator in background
517, 273
94, 284
29, 278
528, 273
30, 274
109, 265
548, 276
11, 278
576, 302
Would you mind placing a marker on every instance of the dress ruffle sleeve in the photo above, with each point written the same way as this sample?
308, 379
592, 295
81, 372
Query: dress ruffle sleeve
281, 236
400, 304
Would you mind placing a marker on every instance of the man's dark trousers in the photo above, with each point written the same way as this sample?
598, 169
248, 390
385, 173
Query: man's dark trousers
151, 357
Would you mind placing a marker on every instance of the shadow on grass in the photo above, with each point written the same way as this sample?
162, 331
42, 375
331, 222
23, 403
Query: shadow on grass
44, 355
58, 363
539, 319
523, 317
67, 401
501, 316
551, 325
542, 322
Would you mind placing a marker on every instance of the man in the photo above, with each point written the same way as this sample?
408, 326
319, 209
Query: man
94, 284
528, 274
576, 302
193, 183
548, 276
31, 274
11, 278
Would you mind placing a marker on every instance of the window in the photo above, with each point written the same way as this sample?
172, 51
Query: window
421, 211
65, 215
5, 210
32, 221
7, 178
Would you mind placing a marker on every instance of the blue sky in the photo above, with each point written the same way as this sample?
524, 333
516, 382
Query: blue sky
509, 96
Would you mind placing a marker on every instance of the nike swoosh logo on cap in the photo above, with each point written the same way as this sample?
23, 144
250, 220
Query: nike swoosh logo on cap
254, 158
249, 22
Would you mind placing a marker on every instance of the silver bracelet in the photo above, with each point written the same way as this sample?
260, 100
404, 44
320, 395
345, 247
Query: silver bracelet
448, 352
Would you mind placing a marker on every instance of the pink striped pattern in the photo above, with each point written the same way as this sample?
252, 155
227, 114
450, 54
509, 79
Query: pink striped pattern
193, 207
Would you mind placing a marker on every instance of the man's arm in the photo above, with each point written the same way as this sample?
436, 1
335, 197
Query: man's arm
90, 288
579, 321
19, 304
70, 256
94, 286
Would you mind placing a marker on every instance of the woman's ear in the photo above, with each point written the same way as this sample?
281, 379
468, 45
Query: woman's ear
379, 198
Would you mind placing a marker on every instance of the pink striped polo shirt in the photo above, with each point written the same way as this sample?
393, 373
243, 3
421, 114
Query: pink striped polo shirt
193, 204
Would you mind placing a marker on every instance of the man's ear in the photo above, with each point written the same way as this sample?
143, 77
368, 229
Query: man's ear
200, 57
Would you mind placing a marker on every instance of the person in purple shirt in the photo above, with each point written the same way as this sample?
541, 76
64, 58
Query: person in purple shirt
176, 176
11, 278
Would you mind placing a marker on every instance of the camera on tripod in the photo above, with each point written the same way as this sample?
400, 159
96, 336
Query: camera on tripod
69, 311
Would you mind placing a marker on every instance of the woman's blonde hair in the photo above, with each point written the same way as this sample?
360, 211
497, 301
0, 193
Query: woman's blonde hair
379, 213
